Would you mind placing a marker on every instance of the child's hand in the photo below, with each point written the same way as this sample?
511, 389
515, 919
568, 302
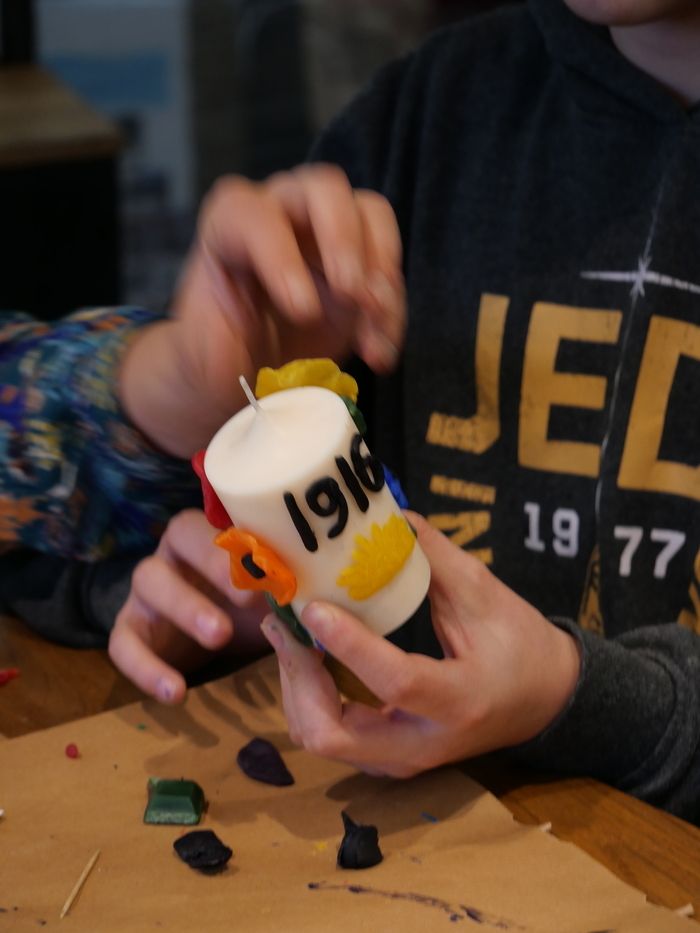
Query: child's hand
300, 265
182, 608
506, 675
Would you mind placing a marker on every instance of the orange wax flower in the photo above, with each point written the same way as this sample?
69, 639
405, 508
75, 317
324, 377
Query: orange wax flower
254, 566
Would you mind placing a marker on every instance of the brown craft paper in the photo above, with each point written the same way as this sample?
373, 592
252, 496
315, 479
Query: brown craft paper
454, 858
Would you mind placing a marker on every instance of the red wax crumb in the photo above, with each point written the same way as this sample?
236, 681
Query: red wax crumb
72, 750
7, 674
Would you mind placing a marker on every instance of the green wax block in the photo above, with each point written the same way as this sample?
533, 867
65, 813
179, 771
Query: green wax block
174, 801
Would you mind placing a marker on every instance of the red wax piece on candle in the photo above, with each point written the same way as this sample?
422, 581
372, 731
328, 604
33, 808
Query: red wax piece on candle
7, 674
213, 507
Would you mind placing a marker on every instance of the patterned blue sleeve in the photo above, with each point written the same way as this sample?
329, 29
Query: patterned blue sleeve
77, 479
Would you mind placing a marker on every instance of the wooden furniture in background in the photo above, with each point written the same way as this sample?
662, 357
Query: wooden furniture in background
59, 244
645, 847
17, 33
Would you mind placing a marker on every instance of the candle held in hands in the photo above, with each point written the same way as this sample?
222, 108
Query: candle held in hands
295, 473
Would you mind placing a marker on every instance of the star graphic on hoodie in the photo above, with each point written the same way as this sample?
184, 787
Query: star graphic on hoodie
640, 277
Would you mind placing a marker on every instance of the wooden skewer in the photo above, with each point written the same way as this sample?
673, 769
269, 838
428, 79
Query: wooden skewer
78, 885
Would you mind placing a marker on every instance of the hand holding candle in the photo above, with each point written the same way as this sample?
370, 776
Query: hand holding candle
310, 502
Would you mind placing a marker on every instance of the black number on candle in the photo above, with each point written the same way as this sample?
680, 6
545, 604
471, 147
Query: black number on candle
351, 481
249, 564
368, 468
306, 534
325, 498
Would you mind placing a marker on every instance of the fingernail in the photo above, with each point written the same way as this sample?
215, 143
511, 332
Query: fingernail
349, 273
165, 690
383, 291
317, 615
271, 631
208, 626
301, 297
387, 350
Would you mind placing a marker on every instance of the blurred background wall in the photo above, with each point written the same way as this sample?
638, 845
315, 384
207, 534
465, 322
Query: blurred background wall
199, 88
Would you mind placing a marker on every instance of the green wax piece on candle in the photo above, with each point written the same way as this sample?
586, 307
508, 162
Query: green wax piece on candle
356, 415
287, 615
174, 801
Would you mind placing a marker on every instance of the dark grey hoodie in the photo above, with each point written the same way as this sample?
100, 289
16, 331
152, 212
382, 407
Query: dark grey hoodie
546, 414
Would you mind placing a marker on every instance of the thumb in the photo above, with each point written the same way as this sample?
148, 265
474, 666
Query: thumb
448, 563
457, 579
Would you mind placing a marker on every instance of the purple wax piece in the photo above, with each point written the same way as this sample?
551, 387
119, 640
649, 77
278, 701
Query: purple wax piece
260, 760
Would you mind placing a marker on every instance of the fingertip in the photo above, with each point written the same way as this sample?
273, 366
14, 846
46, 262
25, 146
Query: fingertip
385, 292
281, 639
318, 617
426, 532
447, 560
416, 520
375, 348
386, 352
170, 689
241, 599
348, 275
302, 298
271, 630
214, 629
136, 661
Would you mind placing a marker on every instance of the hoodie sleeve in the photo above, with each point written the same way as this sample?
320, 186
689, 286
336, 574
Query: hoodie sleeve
67, 601
634, 718
77, 479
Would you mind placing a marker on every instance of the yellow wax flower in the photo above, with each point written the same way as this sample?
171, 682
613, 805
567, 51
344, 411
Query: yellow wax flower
376, 560
320, 372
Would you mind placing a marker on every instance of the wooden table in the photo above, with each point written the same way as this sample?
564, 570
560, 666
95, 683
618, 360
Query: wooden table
645, 847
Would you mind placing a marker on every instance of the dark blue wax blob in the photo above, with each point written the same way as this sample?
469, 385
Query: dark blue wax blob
360, 845
260, 760
202, 849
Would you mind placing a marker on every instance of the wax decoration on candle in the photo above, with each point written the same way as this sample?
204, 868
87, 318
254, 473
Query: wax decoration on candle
323, 373
314, 513
213, 509
376, 560
7, 674
395, 487
290, 619
256, 567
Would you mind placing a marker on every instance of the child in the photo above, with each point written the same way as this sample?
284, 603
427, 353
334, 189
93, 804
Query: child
542, 166
100, 413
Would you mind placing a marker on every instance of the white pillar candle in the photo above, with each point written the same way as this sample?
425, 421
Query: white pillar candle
295, 473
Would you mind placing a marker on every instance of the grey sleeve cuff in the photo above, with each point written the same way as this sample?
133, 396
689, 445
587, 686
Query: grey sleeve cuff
634, 717
66, 601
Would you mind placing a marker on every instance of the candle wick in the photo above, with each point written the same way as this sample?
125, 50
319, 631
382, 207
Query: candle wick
249, 393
